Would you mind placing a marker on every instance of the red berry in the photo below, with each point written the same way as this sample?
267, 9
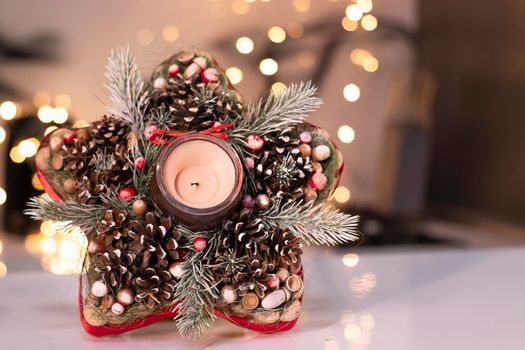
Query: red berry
248, 202
305, 137
173, 70
69, 137
199, 243
254, 143
148, 132
210, 75
126, 193
140, 162
273, 282
318, 181
182, 253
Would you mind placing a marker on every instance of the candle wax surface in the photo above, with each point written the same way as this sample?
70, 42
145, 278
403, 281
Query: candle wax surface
199, 174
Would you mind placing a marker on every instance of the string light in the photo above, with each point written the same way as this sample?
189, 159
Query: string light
170, 33
295, 30
346, 134
369, 23
348, 24
46, 114
145, 36
7, 110
370, 64
240, 7
60, 115
351, 92
234, 74
244, 45
350, 259
268, 66
365, 5
302, 5
63, 100
41, 98
354, 12
278, 87
3, 134
276, 34
3, 196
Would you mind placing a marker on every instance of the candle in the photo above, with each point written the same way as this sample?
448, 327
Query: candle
197, 179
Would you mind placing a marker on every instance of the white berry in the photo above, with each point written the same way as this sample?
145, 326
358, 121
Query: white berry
99, 289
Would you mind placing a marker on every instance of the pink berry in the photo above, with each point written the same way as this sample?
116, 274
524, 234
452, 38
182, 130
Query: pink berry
199, 243
249, 163
254, 143
182, 253
305, 137
69, 137
318, 181
126, 193
248, 202
273, 282
210, 75
173, 70
216, 124
148, 132
140, 162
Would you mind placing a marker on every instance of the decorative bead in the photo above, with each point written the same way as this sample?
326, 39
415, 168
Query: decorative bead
83, 135
192, 70
96, 246
316, 167
160, 84
173, 70
148, 132
210, 75
229, 294
140, 163
293, 283
139, 207
69, 185
282, 274
320, 153
305, 149
262, 201
250, 301
274, 299
273, 282
305, 137
318, 181
117, 308
310, 194
57, 162
126, 296
69, 137
199, 243
201, 61
56, 142
99, 289
186, 56
254, 143
249, 163
176, 269
248, 202
126, 193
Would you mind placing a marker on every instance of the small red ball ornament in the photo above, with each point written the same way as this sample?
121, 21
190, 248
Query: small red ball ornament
273, 282
318, 181
216, 124
126, 193
173, 70
69, 138
210, 75
148, 132
199, 243
140, 162
254, 143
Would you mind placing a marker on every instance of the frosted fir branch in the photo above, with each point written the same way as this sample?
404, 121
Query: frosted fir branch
287, 170
142, 177
317, 224
69, 214
126, 88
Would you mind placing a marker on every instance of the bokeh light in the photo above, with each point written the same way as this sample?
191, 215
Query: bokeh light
369, 22
3, 196
302, 6
28, 147
35, 181
346, 134
60, 115
268, 66
7, 110
295, 30
3, 269
41, 98
351, 259
370, 64
276, 34
3, 134
16, 156
341, 194
46, 114
63, 100
348, 24
244, 45
170, 33
354, 12
240, 7
234, 74
351, 92
278, 87
365, 5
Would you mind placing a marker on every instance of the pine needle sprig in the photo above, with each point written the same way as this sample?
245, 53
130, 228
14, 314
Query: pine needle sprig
126, 88
142, 177
317, 224
287, 170
70, 213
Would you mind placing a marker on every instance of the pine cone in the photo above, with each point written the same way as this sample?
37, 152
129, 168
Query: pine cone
283, 248
110, 132
244, 230
154, 285
78, 157
256, 277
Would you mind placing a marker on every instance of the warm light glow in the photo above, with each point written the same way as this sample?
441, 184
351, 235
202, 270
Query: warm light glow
68, 248
341, 194
295, 30
370, 64
170, 33
41, 98
78, 124
3, 134
3, 269
302, 5
48, 246
60, 115
249, 1
306, 59
352, 331
28, 148
346, 134
47, 229
367, 322
358, 55
57, 266
348, 24
354, 12
145, 36
46, 114
63, 100
276, 34
240, 7
351, 259
364, 284
7, 110
3, 196
35, 181
365, 5
244, 45
351, 92
369, 23
268, 66
278, 87
234, 74
32, 243
15, 155
50, 129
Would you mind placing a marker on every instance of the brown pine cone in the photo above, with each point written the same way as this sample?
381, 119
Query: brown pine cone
245, 231
110, 132
283, 248
153, 286
254, 280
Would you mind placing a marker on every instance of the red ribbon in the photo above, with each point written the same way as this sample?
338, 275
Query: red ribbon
214, 131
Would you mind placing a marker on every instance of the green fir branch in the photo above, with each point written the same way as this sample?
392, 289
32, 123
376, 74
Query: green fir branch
317, 224
142, 177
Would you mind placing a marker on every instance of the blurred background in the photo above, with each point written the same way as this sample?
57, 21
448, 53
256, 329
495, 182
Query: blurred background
424, 97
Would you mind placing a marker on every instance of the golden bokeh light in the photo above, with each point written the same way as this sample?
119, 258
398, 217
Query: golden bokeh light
351, 92
348, 24
234, 74
240, 7
369, 23
295, 30
27, 148
47, 228
276, 34
63, 100
41, 98
60, 115
365, 5
370, 64
50, 129
7, 110
35, 181
358, 55
302, 6
1, 247
170, 33
346, 134
3, 269
268, 66
277, 87
16, 156
354, 12
46, 114
145, 36
244, 45
48, 246
341, 194
306, 59
3, 134
3, 196
352, 331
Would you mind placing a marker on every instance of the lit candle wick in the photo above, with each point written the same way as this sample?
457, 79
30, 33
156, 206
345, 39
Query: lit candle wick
194, 184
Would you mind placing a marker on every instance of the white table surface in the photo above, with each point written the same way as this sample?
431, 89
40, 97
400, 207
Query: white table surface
417, 299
